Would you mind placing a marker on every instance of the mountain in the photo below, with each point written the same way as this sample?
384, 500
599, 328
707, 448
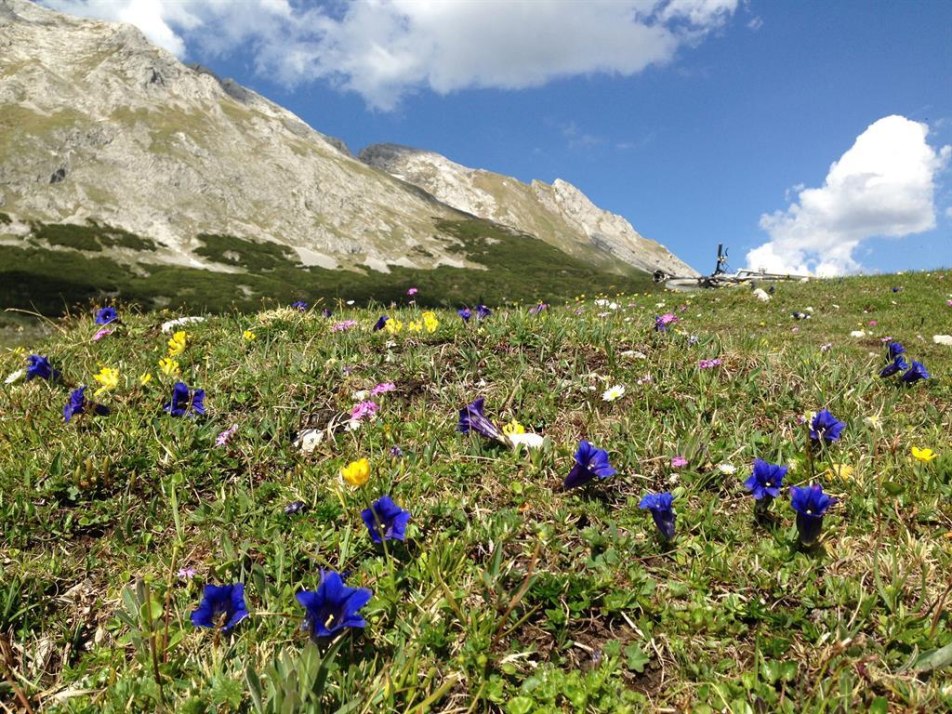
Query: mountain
560, 214
123, 170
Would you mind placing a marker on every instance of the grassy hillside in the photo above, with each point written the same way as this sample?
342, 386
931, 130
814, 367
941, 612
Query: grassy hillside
509, 593
61, 266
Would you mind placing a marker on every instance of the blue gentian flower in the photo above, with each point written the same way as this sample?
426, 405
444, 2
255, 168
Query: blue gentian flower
333, 606
106, 315
471, 418
810, 503
590, 463
482, 312
916, 372
39, 366
385, 520
378, 326
219, 600
186, 401
299, 305
662, 511
295, 507
897, 365
77, 405
894, 349
766, 480
465, 313
826, 427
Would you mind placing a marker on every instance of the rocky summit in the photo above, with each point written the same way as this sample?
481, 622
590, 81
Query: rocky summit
560, 214
163, 163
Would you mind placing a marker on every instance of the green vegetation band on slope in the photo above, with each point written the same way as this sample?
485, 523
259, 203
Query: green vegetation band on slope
519, 269
509, 595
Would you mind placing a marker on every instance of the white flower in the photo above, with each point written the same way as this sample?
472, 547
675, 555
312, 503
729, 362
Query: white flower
645, 379
530, 441
659, 304
857, 333
352, 425
727, 469
601, 302
14, 376
634, 354
613, 306
808, 309
361, 395
308, 440
171, 324
761, 295
613, 393
350, 302
942, 339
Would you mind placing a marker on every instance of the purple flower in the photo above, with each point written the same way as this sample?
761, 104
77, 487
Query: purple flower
77, 405
897, 365
333, 606
482, 312
381, 321
662, 511
327, 312
344, 325
226, 435
413, 291
221, 602
916, 372
385, 520
363, 410
766, 480
590, 463
102, 332
826, 427
709, 363
185, 401
299, 305
39, 366
186, 573
810, 503
106, 315
396, 452
465, 313
471, 418
295, 507
538, 308
894, 349
662, 322
382, 388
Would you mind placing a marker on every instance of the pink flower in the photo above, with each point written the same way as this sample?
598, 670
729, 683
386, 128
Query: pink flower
873, 323
413, 291
363, 410
382, 388
678, 462
187, 573
709, 363
102, 333
226, 435
949, 303
344, 326
826, 347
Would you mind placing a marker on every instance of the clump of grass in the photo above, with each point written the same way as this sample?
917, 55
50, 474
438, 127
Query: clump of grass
508, 594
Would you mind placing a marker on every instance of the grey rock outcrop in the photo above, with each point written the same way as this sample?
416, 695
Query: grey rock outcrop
559, 214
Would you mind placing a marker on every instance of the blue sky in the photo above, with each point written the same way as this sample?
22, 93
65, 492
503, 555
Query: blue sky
700, 121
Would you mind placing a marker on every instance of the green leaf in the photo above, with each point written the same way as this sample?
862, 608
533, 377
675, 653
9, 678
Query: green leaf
934, 659
637, 659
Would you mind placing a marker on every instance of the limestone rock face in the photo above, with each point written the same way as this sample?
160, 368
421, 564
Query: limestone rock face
559, 214
97, 123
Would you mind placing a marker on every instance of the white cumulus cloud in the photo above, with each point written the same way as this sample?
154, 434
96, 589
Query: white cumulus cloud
883, 186
384, 49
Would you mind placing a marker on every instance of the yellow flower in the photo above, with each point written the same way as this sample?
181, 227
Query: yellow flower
145, 378
415, 326
430, 321
356, 473
874, 420
249, 336
923, 455
177, 343
513, 427
108, 378
841, 471
169, 367
393, 326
